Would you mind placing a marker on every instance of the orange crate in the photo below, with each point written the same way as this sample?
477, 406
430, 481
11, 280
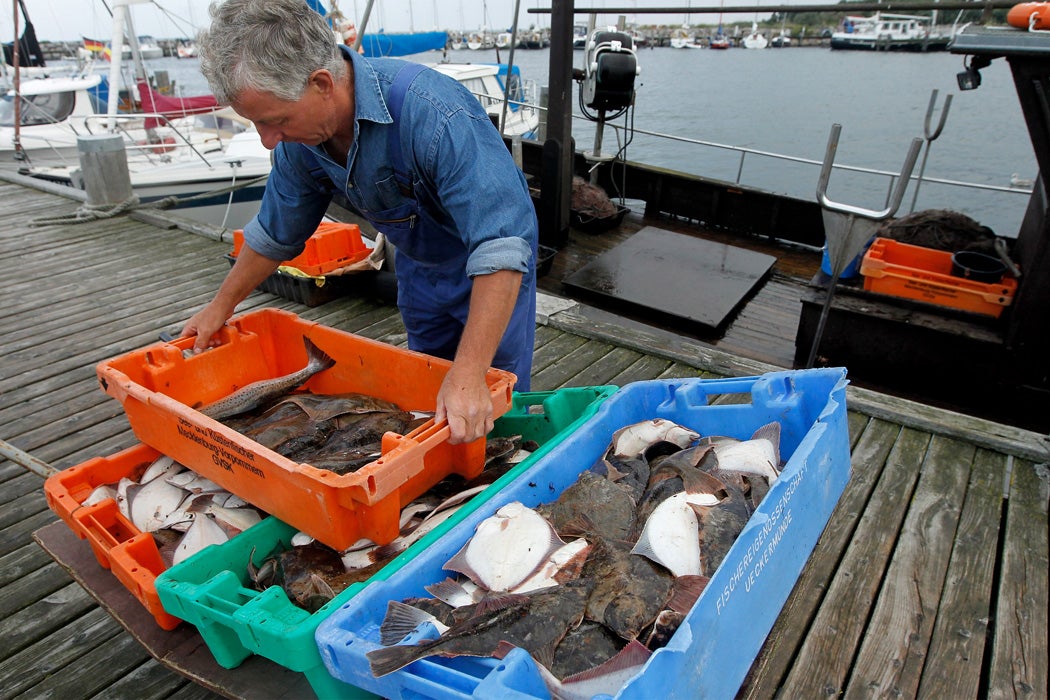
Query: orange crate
160, 389
332, 246
924, 274
118, 545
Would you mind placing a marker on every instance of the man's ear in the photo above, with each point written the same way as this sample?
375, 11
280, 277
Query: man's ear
322, 81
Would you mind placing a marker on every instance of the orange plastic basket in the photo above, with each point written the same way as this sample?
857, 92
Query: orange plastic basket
332, 246
160, 389
924, 274
119, 546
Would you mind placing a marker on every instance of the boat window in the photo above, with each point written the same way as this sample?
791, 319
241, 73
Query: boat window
38, 109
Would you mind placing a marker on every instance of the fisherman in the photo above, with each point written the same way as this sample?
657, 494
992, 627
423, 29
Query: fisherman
416, 155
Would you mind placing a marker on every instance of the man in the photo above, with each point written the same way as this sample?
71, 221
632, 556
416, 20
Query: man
416, 155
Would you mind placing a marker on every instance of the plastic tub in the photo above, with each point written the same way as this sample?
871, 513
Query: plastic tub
211, 589
119, 546
160, 388
711, 652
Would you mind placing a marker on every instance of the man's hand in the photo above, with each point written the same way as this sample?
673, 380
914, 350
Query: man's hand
246, 274
464, 400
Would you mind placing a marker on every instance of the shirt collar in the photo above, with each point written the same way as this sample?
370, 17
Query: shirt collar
368, 96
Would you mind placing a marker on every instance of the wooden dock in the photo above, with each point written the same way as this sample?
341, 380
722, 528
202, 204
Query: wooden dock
930, 579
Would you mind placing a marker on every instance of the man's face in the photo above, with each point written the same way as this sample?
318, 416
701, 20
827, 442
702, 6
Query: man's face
307, 120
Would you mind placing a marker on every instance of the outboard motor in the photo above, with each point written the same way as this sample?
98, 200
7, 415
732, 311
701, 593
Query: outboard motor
608, 83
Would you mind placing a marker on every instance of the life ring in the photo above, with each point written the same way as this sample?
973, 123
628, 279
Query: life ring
1029, 15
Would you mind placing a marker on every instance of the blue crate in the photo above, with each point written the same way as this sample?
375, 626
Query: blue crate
712, 651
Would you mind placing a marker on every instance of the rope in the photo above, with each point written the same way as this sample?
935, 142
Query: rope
89, 212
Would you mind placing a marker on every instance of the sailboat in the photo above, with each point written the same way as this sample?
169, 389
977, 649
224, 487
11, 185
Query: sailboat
719, 41
755, 40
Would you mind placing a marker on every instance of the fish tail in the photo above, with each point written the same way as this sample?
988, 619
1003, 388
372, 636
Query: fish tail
389, 659
317, 356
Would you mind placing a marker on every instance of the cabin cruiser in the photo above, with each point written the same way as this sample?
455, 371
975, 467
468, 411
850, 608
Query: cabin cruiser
888, 32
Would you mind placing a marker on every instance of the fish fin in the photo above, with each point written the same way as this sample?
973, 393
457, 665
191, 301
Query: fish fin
502, 649
634, 654
580, 525
771, 432
612, 473
386, 660
386, 552
494, 603
686, 591
545, 655
400, 621
448, 591
316, 354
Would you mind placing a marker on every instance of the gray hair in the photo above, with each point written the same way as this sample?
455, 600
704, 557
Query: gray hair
267, 45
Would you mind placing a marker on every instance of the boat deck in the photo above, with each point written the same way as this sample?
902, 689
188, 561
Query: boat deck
930, 578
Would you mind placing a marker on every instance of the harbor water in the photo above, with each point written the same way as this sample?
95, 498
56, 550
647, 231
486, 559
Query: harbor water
784, 101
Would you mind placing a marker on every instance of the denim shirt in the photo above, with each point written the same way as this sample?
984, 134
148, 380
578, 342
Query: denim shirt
469, 207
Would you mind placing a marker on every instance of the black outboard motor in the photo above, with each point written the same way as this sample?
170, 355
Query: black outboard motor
612, 65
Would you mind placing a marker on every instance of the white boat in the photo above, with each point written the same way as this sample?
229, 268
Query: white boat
683, 39
503, 40
888, 32
52, 112
487, 82
148, 49
186, 49
756, 39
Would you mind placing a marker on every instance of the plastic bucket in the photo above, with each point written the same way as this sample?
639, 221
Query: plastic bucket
978, 267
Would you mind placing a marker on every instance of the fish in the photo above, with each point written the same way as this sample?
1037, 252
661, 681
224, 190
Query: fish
759, 456
633, 440
671, 537
259, 393
506, 548
150, 504
604, 680
609, 506
563, 564
203, 531
536, 622
667, 623
629, 591
589, 645
455, 593
402, 619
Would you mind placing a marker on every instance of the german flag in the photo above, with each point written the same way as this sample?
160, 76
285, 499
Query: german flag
97, 47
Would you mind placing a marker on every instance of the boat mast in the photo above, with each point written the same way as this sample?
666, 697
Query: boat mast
19, 152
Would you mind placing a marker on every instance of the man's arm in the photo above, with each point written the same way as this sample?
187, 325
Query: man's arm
246, 274
464, 397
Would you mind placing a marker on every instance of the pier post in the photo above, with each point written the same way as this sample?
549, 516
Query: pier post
104, 169
558, 153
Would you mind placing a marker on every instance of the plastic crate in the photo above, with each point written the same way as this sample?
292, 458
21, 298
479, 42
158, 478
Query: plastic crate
211, 589
159, 389
331, 246
712, 651
924, 274
308, 291
119, 546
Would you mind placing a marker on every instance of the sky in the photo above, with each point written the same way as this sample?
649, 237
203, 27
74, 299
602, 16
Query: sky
69, 20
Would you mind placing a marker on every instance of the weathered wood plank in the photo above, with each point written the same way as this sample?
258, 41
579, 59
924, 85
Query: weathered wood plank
602, 371
553, 352
560, 373
643, 368
28, 667
94, 669
893, 651
30, 588
824, 661
50, 613
791, 628
954, 659
149, 681
21, 562
1019, 652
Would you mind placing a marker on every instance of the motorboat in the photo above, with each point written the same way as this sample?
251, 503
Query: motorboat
488, 82
186, 49
888, 32
52, 114
148, 49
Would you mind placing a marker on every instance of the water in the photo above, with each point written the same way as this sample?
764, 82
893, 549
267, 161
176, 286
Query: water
786, 100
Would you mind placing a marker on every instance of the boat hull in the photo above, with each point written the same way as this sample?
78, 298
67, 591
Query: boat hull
848, 42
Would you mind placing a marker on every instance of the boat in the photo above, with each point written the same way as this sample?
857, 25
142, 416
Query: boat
888, 32
186, 48
402, 44
756, 39
488, 82
148, 48
579, 36
53, 112
719, 41
683, 39
503, 40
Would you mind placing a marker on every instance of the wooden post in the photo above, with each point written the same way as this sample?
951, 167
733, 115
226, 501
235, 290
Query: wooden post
558, 154
104, 169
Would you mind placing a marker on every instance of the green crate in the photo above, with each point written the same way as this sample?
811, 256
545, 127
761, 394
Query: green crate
211, 589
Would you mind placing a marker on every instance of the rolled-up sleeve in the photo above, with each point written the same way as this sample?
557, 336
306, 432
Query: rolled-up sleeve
292, 207
511, 253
